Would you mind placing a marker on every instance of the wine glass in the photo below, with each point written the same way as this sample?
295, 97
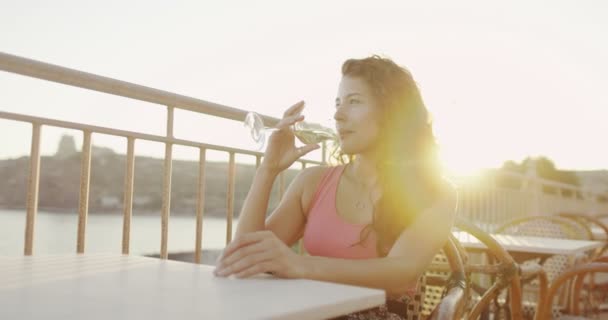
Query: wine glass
307, 133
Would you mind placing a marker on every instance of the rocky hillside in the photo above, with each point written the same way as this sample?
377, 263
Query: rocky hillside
60, 176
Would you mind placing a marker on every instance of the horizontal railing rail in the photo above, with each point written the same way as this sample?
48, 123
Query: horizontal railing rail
132, 134
46, 71
489, 203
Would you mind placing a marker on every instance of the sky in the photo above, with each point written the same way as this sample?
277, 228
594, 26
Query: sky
503, 80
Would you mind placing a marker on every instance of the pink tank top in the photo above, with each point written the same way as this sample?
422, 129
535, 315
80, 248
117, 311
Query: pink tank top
326, 233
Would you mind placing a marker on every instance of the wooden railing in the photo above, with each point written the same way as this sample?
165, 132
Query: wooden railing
486, 203
45, 71
502, 196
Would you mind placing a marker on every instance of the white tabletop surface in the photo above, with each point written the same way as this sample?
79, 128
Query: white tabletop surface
536, 245
129, 287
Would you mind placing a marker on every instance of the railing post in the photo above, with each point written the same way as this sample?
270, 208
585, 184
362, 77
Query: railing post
200, 205
32, 190
230, 197
83, 203
534, 185
166, 206
128, 195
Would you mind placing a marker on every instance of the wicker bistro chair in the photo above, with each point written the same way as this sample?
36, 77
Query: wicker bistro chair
590, 222
506, 273
502, 268
575, 275
596, 300
595, 291
448, 305
433, 282
548, 227
456, 290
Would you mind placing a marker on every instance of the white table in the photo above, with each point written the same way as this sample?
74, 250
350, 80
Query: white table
531, 245
129, 287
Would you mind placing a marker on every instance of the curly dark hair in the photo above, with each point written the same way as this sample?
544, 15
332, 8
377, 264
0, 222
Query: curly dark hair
408, 174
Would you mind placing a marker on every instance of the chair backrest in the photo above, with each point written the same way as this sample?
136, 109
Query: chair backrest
441, 294
500, 266
591, 222
545, 226
577, 274
456, 290
432, 285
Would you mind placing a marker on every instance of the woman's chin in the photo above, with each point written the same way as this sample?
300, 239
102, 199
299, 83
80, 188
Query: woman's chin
345, 149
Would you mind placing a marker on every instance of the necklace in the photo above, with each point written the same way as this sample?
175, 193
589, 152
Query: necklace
360, 204
363, 203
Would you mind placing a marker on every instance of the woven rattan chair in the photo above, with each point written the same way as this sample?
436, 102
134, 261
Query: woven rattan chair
589, 223
549, 227
456, 292
574, 277
595, 291
449, 304
502, 268
443, 289
504, 272
545, 226
593, 295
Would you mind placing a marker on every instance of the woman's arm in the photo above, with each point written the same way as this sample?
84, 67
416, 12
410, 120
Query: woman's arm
253, 212
280, 154
288, 219
409, 257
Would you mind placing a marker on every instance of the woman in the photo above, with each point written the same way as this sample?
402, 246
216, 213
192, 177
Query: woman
375, 220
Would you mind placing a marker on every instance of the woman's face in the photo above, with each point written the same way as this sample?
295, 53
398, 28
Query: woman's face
357, 116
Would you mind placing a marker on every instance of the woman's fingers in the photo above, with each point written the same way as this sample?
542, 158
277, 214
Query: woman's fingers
307, 149
242, 241
289, 121
291, 116
252, 270
302, 151
245, 251
294, 110
242, 252
246, 262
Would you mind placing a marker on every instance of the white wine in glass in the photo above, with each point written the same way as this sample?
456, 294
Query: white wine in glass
307, 133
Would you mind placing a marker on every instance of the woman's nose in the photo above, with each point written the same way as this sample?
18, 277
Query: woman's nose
339, 114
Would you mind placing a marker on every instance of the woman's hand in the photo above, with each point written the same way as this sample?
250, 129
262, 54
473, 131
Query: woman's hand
259, 252
281, 152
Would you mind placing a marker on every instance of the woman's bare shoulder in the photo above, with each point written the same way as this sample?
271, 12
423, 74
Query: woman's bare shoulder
311, 176
309, 179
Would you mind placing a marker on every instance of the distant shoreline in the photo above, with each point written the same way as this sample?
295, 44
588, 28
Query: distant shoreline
114, 212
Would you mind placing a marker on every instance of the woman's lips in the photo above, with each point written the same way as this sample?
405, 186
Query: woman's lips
344, 134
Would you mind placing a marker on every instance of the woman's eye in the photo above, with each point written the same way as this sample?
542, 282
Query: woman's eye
351, 101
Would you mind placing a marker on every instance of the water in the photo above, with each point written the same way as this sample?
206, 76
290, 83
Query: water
55, 233
313, 136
